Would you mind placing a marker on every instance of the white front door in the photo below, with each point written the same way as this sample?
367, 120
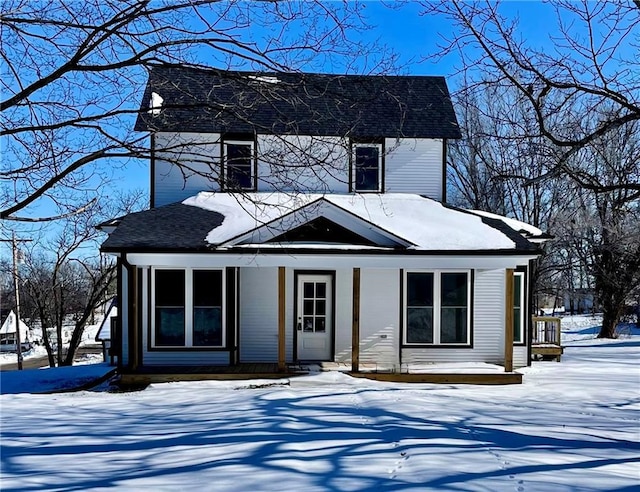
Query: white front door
315, 316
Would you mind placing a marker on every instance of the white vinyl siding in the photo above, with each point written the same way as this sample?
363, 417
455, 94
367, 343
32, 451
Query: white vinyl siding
258, 315
343, 317
379, 311
302, 163
520, 356
184, 358
291, 163
200, 153
379, 317
258, 321
488, 326
414, 166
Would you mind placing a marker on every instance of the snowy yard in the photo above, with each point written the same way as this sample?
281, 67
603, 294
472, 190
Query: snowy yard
573, 425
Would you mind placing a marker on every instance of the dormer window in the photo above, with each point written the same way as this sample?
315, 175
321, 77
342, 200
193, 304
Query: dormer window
366, 167
239, 165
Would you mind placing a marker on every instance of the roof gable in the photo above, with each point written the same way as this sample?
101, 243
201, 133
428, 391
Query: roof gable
318, 207
199, 100
321, 230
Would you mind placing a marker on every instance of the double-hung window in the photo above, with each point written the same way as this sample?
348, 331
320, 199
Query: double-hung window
187, 308
518, 307
239, 168
366, 171
437, 308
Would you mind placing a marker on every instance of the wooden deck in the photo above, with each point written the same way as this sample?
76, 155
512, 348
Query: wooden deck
546, 342
494, 378
164, 374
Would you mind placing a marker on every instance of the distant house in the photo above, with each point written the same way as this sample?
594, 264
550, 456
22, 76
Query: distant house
303, 217
107, 331
8, 331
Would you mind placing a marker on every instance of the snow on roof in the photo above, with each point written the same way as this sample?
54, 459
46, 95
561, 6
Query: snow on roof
421, 221
516, 225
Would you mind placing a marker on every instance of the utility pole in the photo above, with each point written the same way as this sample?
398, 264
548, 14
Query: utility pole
14, 245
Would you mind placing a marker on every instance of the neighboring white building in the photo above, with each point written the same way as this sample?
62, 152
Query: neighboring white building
303, 217
107, 331
8, 332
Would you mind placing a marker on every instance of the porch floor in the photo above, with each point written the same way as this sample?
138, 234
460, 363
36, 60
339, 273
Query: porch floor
472, 373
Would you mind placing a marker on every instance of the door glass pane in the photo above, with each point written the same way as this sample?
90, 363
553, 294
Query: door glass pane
307, 310
320, 324
307, 324
321, 307
321, 290
308, 290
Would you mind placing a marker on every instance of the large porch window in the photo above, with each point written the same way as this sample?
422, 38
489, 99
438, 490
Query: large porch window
437, 308
187, 308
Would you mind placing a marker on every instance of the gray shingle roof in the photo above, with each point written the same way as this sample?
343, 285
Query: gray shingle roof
199, 100
183, 227
172, 227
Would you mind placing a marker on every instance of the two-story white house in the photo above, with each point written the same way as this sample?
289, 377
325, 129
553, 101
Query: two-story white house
303, 217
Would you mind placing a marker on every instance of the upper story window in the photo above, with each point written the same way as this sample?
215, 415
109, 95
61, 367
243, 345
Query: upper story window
239, 165
366, 167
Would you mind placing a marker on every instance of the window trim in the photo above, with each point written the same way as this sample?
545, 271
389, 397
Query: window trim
352, 167
254, 165
437, 309
523, 310
189, 305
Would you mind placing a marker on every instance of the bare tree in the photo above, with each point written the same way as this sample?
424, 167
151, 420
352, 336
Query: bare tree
597, 231
589, 67
64, 279
72, 73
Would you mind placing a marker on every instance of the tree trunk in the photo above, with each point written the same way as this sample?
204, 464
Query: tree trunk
610, 319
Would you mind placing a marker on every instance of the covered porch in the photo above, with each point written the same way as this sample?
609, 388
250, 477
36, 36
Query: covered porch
436, 373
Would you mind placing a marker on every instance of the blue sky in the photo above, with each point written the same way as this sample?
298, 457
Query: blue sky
412, 36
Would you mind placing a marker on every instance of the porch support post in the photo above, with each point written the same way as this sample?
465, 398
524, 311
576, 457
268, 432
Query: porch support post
355, 326
508, 321
282, 364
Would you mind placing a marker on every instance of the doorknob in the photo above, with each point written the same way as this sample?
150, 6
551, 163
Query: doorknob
299, 324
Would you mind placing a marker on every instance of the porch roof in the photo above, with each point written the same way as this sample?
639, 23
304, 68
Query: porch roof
398, 223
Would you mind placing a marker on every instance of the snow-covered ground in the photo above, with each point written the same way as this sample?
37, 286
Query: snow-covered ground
571, 426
